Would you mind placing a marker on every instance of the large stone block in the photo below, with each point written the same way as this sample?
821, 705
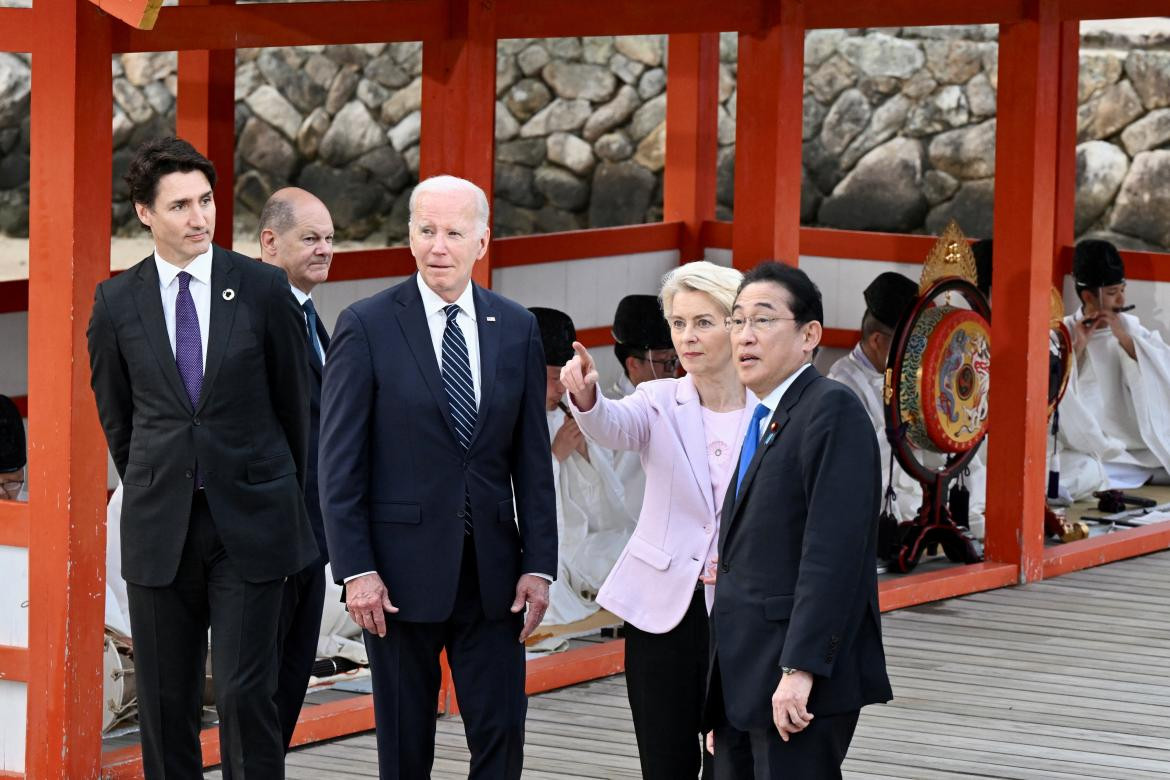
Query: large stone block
1101, 167
621, 194
884, 191
353, 133
966, 153
1143, 203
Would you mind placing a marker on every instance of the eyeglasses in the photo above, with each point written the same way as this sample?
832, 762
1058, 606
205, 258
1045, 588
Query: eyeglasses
669, 366
759, 324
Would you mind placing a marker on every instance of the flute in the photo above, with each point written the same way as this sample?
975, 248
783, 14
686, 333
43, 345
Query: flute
1116, 310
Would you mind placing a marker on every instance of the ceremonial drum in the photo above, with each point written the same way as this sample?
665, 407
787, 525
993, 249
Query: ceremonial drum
119, 694
943, 393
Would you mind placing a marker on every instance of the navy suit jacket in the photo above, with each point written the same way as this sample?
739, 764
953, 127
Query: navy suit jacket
797, 558
393, 477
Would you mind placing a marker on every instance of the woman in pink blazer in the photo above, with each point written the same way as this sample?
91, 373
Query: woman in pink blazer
688, 432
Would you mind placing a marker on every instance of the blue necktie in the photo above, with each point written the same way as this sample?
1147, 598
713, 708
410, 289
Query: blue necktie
751, 440
456, 371
311, 327
189, 348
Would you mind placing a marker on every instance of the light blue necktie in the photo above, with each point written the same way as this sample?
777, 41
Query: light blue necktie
751, 440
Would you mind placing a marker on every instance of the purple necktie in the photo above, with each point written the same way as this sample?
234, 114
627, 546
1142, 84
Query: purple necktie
189, 348
188, 345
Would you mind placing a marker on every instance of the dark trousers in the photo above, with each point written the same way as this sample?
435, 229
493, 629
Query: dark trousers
169, 626
813, 754
666, 678
487, 662
300, 625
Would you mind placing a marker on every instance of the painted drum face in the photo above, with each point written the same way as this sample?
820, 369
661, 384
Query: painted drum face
943, 393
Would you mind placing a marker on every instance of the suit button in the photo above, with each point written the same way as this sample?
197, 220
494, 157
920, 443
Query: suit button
195, 420
707, 529
723, 567
188, 474
460, 513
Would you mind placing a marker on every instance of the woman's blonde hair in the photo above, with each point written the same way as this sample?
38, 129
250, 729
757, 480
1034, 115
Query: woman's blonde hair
717, 281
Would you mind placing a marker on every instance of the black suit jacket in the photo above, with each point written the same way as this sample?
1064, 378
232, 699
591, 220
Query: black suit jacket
394, 477
797, 556
248, 432
312, 493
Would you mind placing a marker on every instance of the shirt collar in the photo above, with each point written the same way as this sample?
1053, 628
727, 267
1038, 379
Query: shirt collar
772, 399
199, 268
860, 356
300, 296
432, 303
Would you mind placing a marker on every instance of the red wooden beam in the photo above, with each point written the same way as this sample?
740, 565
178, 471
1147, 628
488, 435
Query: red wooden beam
14, 524
691, 137
19, 29
13, 663
1025, 192
205, 115
768, 141
543, 19
69, 228
1066, 150
906, 591
1099, 550
840, 338
860, 245
371, 264
459, 103
596, 337
1110, 9
904, 13
258, 25
575, 666
585, 244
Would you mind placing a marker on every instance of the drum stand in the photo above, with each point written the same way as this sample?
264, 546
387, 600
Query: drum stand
932, 528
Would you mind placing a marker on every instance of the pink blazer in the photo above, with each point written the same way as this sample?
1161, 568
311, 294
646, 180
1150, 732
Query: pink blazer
654, 578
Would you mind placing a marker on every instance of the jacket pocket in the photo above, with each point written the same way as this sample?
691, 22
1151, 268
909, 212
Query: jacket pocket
656, 557
405, 512
268, 469
778, 607
138, 474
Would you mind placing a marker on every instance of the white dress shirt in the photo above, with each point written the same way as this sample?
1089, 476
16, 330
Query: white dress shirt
301, 298
772, 399
437, 323
200, 287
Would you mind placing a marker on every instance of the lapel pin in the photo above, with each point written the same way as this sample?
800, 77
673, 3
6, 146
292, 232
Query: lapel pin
491, 319
771, 434
228, 294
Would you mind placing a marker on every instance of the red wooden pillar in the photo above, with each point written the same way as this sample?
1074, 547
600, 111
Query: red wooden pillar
691, 137
69, 229
1025, 195
1066, 151
205, 115
768, 141
459, 102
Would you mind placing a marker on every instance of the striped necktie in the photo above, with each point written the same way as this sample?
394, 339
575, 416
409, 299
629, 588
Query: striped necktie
456, 371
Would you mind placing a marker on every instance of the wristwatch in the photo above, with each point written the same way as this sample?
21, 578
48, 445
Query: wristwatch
787, 670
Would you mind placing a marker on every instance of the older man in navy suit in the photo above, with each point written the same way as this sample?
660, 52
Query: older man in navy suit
437, 489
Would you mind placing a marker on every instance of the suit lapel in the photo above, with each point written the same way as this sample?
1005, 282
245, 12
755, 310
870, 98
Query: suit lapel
224, 276
489, 350
154, 324
772, 433
689, 422
413, 321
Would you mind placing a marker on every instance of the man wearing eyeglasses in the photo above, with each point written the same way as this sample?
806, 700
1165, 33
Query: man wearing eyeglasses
795, 628
13, 455
644, 349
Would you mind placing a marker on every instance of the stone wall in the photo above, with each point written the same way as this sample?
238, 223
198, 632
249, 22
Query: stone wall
899, 131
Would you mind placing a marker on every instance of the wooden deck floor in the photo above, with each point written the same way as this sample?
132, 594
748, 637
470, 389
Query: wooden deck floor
1067, 679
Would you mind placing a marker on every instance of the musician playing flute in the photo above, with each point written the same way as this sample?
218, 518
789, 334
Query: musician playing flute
1115, 415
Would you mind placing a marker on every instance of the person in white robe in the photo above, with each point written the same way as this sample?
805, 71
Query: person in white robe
887, 299
1114, 425
645, 352
593, 523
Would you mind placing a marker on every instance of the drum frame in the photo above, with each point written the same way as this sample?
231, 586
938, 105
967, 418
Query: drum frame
933, 526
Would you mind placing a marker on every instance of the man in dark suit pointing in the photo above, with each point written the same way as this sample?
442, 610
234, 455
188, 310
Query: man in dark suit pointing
200, 375
436, 484
296, 235
796, 631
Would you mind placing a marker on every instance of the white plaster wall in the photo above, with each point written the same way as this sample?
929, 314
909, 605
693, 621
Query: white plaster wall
14, 353
13, 705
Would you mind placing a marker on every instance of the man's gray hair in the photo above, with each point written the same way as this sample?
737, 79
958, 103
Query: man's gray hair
445, 183
278, 215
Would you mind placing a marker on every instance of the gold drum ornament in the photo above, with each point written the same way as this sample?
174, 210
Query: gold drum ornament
943, 393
